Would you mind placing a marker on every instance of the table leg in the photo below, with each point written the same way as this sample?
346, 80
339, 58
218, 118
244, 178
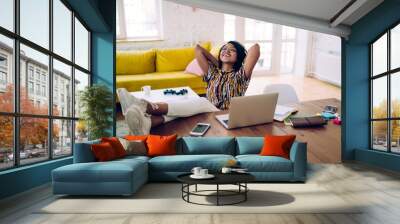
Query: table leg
245, 193
217, 194
188, 190
195, 188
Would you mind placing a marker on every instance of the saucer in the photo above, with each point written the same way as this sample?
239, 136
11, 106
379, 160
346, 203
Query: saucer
208, 176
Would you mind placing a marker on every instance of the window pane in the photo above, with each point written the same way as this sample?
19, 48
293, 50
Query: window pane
34, 72
395, 47
118, 22
264, 62
288, 33
142, 18
6, 74
257, 30
33, 139
35, 21
62, 89
395, 94
395, 136
81, 131
379, 98
287, 56
379, 135
81, 81
62, 138
62, 29
6, 142
7, 14
379, 55
229, 27
81, 45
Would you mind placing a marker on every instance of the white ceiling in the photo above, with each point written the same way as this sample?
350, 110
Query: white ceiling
314, 15
320, 9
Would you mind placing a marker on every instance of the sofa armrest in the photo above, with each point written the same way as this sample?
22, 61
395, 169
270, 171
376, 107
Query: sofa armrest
298, 155
83, 152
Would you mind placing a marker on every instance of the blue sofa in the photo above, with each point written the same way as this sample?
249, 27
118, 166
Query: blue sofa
125, 176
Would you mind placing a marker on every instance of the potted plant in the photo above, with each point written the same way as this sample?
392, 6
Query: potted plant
95, 103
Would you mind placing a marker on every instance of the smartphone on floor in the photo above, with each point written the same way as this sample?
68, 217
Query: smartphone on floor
200, 129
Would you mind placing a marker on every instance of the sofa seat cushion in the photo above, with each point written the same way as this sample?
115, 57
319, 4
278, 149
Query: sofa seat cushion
185, 163
158, 80
111, 171
257, 163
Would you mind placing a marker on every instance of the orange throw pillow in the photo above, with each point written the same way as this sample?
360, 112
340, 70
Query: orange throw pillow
277, 145
161, 145
103, 152
116, 145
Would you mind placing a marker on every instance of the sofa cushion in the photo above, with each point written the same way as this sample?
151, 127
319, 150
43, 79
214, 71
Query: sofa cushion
161, 145
176, 59
103, 152
257, 163
249, 145
210, 145
112, 171
160, 81
275, 145
135, 62
185, 163
118, 148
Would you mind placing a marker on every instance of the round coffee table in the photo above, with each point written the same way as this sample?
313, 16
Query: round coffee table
238, 179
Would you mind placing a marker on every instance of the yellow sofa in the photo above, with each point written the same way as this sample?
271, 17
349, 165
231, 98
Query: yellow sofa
159, 68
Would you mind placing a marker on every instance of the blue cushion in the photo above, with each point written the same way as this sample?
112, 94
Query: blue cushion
257, 163
207, 145
249, 145
185, 163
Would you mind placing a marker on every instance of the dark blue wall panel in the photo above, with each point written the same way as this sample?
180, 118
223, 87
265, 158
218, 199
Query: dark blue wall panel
355, 58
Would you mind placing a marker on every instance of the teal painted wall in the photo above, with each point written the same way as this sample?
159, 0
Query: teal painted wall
27, 177
99, 15
355, 58
103, 52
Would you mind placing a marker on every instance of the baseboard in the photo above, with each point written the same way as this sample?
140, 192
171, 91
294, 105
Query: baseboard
321, 78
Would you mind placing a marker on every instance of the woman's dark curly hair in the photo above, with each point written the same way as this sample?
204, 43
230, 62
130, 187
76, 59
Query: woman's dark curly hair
241, 53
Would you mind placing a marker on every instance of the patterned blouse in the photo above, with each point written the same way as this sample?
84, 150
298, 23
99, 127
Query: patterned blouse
222, 86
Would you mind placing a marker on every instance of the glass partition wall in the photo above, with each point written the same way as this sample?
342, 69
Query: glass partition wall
44, 64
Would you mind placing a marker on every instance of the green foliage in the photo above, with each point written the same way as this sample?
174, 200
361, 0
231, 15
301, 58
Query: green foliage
96, 104
380, 127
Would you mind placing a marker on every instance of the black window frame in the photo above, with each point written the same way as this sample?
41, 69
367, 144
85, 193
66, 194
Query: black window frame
388, 74
16, 115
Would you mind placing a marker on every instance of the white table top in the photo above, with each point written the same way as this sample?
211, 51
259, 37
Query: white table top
157, 95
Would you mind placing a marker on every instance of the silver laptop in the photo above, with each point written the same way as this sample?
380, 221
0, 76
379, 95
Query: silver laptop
249, 110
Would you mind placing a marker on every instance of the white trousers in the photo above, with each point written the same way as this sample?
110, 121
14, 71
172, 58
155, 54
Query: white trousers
182, 108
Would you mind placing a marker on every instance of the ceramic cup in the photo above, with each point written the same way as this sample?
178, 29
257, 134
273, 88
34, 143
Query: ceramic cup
146, 90
196, 171
226, 170
203, 172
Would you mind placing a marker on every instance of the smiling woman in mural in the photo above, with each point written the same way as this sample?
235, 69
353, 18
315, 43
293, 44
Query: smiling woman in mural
228, 75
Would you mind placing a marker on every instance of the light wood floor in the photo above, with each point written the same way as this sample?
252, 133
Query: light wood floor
379, 190
307, 88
